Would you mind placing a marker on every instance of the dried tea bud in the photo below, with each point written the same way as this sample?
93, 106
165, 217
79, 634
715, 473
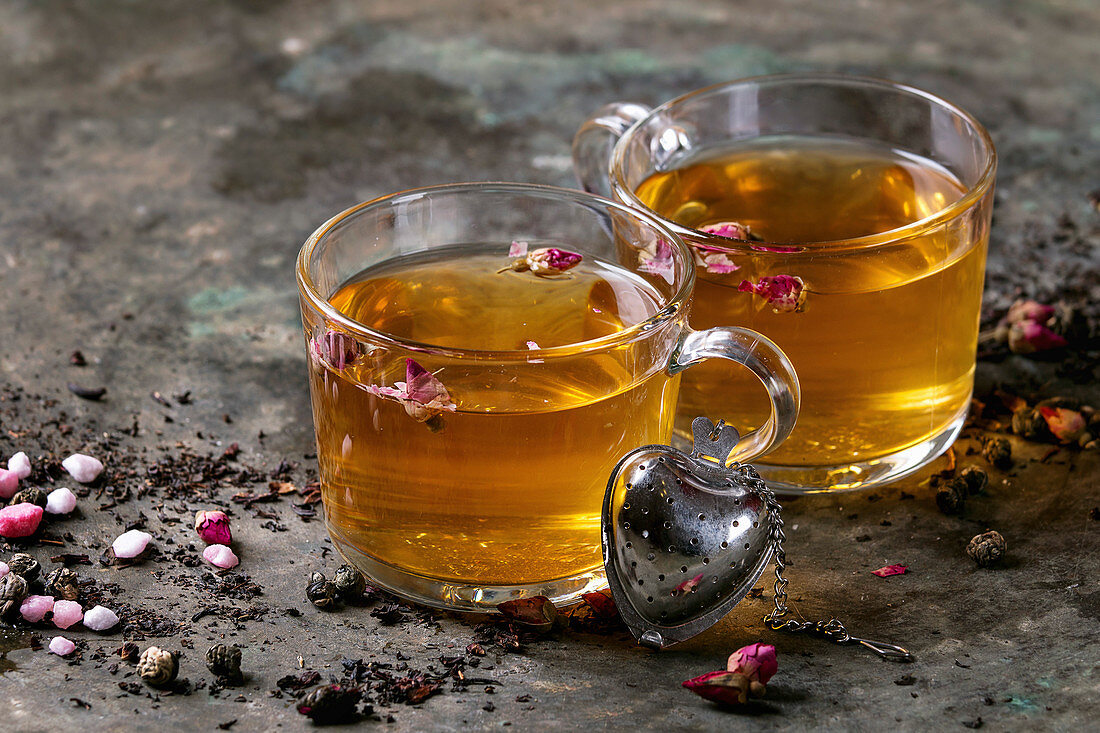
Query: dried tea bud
1028, 423
951, 498
157, 666
976, 479
64, 584
729, 688
998, 451
23, 564
322, 593
987, 548
128, 652
13, 589
225, 663
30, 495
330, 704
213, 527
349, 582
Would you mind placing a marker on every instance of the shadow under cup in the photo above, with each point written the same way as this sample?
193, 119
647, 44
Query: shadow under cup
884, 338
468, 412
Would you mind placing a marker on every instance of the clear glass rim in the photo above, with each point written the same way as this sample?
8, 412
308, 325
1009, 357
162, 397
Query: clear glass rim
973, 193
309, 291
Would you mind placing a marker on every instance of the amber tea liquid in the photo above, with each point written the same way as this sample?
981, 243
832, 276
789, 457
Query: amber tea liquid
884, 347
508, 490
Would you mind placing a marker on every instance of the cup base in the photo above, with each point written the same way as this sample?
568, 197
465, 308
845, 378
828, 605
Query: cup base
451, 596
799, 480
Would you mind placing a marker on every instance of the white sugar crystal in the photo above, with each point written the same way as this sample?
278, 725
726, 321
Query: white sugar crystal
100, 618
61, 646
20, 464
60, 501
131, 544
82, 468
220, 556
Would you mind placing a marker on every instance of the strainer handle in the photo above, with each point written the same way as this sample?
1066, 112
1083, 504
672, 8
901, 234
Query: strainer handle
770, 365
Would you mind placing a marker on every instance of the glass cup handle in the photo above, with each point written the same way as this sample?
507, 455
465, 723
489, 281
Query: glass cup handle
594, 140
770, 365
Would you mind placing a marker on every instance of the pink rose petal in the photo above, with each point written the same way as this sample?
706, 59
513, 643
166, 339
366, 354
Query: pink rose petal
61, 646
1066, 425
532, 346
688, 585
729, 230
21, 464
9, 483
889, 570
719, 264
518, 249
220, 556
35, 608
20, 520
131, 544
84, 469
660, 263
755, 661
60, 501
66, 613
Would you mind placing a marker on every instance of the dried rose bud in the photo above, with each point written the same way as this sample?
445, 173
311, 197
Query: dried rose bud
723, 686
1029, 337
552, 260
537, 611
785, 293
1029, 310
213, 527
422, 394
334, 348
755, 661
601, 603
1066, 425
987, 548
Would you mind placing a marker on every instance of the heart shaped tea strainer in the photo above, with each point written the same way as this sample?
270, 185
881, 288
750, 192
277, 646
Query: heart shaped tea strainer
685, 538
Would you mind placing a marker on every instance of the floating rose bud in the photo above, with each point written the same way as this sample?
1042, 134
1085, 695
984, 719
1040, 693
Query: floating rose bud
220, 556
20, 520
729, 688
60, 501
35, 608
131, 544
602, 604
213, 527
536, 611
1066, 425
1029, 337
785, 293
422, 394
9, 483
661, 261
889, 570
552, 260
1029, 310
730, 230
719, 264
61, 646
66, 613
755, 661
518, 249
84, 469
100, 618
20, 464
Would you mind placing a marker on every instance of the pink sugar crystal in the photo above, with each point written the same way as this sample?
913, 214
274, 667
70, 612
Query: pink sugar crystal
60, 501
82, 468
4, 569
20, 520
35, 608
220, 556
61, 646
9, 483
66, 613
21, 464
131, 544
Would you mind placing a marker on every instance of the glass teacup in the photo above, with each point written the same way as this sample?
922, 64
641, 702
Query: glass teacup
846, 219
480, 356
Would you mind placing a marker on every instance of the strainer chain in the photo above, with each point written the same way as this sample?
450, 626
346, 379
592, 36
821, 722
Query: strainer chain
832, 630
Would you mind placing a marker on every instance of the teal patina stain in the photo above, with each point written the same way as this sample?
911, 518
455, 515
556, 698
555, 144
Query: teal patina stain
214, 300
733, 60
1022, 704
